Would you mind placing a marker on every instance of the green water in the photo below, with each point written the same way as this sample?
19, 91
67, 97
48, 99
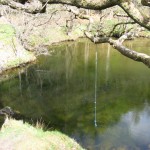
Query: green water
89, 92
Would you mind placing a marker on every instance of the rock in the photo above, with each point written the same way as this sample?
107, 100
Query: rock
12, 52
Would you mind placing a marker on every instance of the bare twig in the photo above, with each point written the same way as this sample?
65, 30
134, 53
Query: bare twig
118, 24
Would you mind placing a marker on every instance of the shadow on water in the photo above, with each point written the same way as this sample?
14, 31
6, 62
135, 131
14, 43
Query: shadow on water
90, 92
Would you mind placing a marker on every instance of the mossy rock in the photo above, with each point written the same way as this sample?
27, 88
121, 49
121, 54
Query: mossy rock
7, 32
12, 52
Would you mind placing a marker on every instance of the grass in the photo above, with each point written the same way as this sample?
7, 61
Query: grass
18, 135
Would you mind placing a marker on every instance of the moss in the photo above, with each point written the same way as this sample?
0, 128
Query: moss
60, 35
79, 30
17, 61
106, 27
145, 33
10, 48
7, 32
109, 24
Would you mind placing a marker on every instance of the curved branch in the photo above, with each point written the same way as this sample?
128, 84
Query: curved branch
141, 57
120, 23
88, 4
117, 44
133, 12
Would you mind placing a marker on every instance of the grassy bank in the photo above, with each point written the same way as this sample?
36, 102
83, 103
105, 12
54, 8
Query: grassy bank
17, 135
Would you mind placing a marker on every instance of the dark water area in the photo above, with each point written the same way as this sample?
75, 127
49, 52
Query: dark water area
90, 92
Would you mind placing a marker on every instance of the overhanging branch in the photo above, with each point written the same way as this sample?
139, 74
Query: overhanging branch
117, 44
134, 12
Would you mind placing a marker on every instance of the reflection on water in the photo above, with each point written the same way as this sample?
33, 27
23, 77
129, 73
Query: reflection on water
90, 92
131, 132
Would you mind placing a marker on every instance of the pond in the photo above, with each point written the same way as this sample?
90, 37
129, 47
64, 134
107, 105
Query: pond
90, 92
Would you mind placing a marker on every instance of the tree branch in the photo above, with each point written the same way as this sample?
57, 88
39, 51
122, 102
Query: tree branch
117, 44
88, 4
120, 23
134, 12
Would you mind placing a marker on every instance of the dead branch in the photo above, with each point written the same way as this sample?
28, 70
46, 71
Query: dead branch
43, 23
120, 15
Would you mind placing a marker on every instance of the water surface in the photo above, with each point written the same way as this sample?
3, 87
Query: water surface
89, 92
